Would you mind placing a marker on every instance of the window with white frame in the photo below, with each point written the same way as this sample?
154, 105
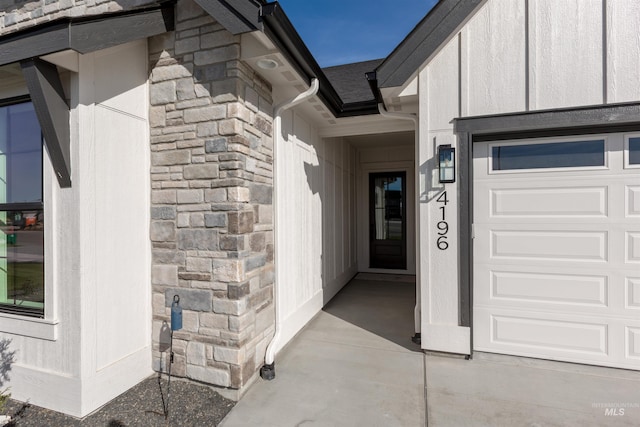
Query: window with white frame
633, 150
21, 210
546, 155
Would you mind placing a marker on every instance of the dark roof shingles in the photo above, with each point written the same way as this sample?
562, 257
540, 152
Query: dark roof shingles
350, 82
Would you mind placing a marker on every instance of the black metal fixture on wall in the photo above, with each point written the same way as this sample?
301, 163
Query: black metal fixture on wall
446, 164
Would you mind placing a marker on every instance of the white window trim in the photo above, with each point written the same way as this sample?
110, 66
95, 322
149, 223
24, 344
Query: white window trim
627, 165
29, 326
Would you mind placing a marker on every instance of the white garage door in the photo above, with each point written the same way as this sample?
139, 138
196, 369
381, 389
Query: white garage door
557, 249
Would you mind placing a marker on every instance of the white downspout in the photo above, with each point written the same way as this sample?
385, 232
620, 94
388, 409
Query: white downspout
409, 116
268, 370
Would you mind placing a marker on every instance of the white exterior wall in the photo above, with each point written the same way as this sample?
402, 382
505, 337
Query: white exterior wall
575, 52
114, 223
95, 340
316, 255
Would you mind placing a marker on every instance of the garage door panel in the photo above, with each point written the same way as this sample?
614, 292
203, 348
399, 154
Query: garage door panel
549, 202
632, 201
527, 287
558, 289
632, 293
632, 344
633, 247
582, 339
561, 335
550, 245
557, 260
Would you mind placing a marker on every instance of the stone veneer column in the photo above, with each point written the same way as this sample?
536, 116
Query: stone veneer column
211, 195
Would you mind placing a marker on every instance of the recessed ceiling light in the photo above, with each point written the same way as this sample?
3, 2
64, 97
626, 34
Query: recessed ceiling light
267, 64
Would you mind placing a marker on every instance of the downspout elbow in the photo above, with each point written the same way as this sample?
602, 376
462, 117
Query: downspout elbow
402, 116
267, 372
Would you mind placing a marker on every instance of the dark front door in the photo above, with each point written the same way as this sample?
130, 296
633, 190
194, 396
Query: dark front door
387, 220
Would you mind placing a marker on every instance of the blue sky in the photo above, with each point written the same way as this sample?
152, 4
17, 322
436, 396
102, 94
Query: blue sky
345, 31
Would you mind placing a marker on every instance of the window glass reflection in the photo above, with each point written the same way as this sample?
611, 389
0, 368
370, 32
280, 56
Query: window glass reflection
22, 259
388, 208
21, 212
634, 151
550, 155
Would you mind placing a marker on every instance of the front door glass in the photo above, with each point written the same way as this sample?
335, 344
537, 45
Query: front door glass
387, 201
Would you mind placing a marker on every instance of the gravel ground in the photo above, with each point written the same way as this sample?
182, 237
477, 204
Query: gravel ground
191, 405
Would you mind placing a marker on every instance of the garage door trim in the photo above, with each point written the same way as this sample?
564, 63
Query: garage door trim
557, 122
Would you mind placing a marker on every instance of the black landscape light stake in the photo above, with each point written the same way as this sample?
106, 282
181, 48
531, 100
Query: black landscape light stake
176, 325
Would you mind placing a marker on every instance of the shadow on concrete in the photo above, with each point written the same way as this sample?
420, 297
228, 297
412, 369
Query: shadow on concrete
383, 307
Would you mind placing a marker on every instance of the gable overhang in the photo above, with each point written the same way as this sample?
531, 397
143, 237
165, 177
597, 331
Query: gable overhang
82, 35
86, 34
276, 26
438, 27
237, 16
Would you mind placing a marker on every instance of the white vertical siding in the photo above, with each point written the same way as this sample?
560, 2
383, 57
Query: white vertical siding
316, 222
122, 205
566, 53
512, 56
442, 85
494, 51
623, 50
97, 246
439, 327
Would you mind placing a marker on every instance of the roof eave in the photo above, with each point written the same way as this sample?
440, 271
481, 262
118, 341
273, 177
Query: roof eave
435, 29
237, 16
87, 34
276, 25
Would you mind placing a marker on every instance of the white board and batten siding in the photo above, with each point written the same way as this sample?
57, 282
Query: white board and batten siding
316, 220
511, 56
97, 252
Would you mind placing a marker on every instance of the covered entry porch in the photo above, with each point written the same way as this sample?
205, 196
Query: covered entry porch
352, 364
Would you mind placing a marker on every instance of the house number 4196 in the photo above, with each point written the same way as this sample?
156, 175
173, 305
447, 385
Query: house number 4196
443, 225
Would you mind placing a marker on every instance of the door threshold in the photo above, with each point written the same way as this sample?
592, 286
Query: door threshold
397, 277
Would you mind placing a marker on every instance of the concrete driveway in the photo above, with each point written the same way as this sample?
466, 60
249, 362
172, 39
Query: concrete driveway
498, 390
354, 365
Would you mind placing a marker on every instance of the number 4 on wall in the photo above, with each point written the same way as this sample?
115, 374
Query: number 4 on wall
443, 225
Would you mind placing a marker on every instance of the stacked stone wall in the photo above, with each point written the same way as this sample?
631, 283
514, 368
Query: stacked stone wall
212, 215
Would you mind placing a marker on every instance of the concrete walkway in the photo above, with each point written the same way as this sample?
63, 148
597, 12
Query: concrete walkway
353, 365
497, 390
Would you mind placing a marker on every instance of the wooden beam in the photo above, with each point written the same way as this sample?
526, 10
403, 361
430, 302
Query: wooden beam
52, 110
237, 16
112, 31
85, 34
37, 42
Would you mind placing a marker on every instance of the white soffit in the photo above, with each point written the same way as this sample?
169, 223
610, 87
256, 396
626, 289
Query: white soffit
364, 125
